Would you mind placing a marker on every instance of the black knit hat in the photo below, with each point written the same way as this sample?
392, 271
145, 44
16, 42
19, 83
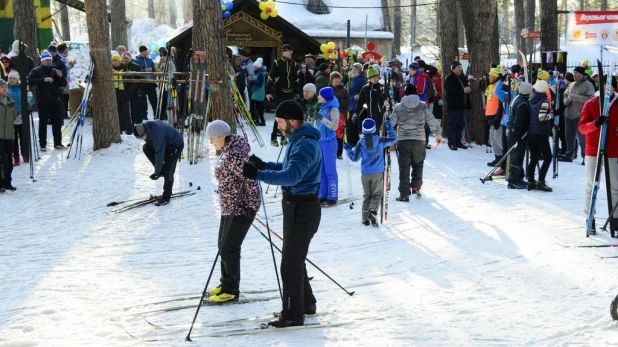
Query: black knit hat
455, 64
142, 48
580, 69
410, 89
163, 52
289, 109
323, 67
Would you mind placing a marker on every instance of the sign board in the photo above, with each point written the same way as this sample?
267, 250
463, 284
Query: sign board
367, 56
534, 34
524, 33
592, 28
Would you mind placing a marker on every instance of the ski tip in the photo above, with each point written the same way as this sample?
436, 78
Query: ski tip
352, 293
198, 188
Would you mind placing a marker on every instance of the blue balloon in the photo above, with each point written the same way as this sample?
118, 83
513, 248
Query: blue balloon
229, 5
222, 2
227, 14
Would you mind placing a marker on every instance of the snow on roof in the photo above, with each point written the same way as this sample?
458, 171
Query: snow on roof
336, 20
355, 34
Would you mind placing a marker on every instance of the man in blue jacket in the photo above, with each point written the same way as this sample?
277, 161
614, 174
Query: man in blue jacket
163, 147
299, 178
149, 89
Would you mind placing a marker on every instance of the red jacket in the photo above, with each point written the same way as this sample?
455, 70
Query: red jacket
437, 82
589, 115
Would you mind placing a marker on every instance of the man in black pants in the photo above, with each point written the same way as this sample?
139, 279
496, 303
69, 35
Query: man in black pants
456, 88
163, 147
299, 178
284, 78
134, 90
538, 136
517, 126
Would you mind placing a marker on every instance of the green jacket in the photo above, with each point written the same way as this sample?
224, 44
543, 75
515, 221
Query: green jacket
8, 113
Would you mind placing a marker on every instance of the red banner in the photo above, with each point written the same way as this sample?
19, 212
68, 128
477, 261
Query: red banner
595, 17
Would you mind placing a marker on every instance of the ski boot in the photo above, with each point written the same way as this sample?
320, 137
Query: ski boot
223, 297
499, 172
372, 217
215, 290
540, 185
521, 184
284, 322
284, 141
495, 161
310, 309
402, 199
417, 192
366, 222
162, 202
593, 231
274, 143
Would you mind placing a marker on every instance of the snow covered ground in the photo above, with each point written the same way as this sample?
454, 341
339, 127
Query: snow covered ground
468, 264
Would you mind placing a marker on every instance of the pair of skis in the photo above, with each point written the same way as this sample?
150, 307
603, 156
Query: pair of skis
143, 202
197, 118
387, 173
241, 111
78, 133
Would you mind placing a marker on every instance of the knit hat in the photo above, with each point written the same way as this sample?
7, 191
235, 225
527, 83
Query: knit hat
541, 86
52, 48
163, 52
13, 74
542, 75
369, 126
139, 130
121, 48
496, 71
290, 109
410, 89
46, 55
3, 83
455, 64
323, 67
585, 63
334, 75
358, 66
142, 48
516, 68
310, 87
117, 57
327, 93
393, 63
372, 72
414, 66
580, 69
525, 88
127, 55
218, 128
259, 62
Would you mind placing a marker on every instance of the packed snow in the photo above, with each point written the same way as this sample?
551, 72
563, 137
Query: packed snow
468, 264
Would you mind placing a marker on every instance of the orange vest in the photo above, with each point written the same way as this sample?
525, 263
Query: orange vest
493, 103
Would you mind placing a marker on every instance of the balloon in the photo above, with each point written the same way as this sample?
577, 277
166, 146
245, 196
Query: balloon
331, 45
268, 10
264, 15
323, 47
371, 46
223, 8
274, 12
229, 5
227, 14
262, 6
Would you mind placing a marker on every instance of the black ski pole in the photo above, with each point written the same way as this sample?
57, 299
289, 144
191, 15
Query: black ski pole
226, 228
307, 259
270, 240
278, 157
504, 157
604, 228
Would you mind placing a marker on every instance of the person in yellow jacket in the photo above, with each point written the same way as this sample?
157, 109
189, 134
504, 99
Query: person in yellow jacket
587, 68
122, 97
543, 75
494, 110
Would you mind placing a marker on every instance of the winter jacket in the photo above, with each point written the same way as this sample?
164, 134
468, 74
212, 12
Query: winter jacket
371, 94
520, 115
330, 120
240, 78
46, 93
370, 149
322, 80
311, 108
58, 64
16, 66
455, 97
283, 76
228, 172
589, 115
341, 93
133, 88
162, 137
583, 91
259, 86
145, 63
409, 116
437, 83
540, 115
421, 81
356, 84
15, 94
299, 172
8, 113
304, 78
495, 99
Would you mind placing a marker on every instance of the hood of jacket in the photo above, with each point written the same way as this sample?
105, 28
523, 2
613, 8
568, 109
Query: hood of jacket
237, 143
410, 101
306, 130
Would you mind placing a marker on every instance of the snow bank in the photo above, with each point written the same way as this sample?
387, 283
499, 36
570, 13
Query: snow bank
336, 19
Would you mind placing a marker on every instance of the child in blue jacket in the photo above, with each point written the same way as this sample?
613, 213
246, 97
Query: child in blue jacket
371, 149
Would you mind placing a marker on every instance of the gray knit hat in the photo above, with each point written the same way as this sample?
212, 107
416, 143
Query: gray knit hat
139, 130
310, 87
218, 128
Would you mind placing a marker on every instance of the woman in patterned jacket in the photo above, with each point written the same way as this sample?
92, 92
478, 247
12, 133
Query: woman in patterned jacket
239, 204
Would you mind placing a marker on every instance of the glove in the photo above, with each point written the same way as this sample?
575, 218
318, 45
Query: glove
154, 177
249, 170
259, 163
354, 118
174, 81
600, 121
440, 102
347, 146
387, 123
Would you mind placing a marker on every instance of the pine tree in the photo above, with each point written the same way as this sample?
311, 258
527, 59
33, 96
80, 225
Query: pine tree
449, 46
24, 27
119, 23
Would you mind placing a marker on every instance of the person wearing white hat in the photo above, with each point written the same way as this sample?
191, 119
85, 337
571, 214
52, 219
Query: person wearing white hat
258, 83
538, 136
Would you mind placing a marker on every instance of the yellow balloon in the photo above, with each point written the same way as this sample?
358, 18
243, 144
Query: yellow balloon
323, 48
274, 13
331, 45
262, 6
223, 8
325, 55
270, 3
264, 15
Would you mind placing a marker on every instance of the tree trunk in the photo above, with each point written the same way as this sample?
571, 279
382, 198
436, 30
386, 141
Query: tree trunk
188, 10
216, 61
603, 5
151, 12
105, 126
530, 17
520, 23
480, 24
549, 25
396, 29
582, 5
172, 10
64, 21
24, 27
449, 48
413, 26
386, 15
461, 32
119, 24
495, 41
506, 37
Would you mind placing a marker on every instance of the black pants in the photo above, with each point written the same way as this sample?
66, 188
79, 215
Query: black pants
49, 112
65, 103
257, 112
411, 153
455, 127
301, 219
351, 132
6, 165
169, 166
163, 109
280, 97
539, 146
230, 249
150, 93
124, 113
517, 155
427, 131
137, 108
18, 141
339, 147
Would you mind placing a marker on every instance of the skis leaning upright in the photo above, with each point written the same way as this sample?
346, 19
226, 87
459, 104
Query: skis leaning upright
604, 105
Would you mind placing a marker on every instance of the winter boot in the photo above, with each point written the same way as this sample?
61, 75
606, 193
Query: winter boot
16, 160
284, 322
495, 161
284, 141
274, 143
366, 222
372, 217
531, 185
223, 297
215, 290
310, 309
517, 185
402, 199
594, 227
416, 191
540, 185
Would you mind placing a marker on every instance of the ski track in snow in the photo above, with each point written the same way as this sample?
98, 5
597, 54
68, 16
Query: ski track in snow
468, 264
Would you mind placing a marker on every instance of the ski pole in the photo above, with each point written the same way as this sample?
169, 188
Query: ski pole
506, 155
226, 229
604, 228
270, 241
279, 156
309, 261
